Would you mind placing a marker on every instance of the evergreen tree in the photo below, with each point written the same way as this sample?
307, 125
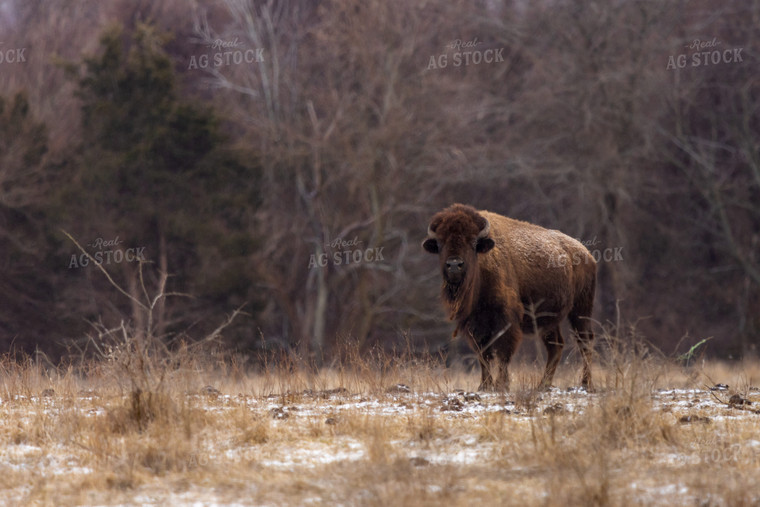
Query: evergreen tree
26, 299
155, 171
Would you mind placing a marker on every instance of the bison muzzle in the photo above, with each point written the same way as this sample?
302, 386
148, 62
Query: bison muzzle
504, 277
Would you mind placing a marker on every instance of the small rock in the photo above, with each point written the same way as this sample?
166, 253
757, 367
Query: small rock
331, 421
470, 396
47, 393
694, 418
555, 409
719, 387
279, 413
325, 393
335, 392
210, 391
452, 404
416, 461
737, 401
398, 389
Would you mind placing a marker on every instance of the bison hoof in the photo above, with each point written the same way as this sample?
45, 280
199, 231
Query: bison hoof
490, 388
545, 386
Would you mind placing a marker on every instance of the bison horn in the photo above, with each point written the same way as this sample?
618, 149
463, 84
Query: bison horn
485, 230
431, 232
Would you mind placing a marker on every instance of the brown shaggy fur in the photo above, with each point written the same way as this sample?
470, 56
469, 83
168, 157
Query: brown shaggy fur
503, 277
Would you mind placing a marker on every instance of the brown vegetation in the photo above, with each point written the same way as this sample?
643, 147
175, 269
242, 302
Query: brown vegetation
212, 433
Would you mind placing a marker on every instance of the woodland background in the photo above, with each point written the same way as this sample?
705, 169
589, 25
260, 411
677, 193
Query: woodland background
230, 178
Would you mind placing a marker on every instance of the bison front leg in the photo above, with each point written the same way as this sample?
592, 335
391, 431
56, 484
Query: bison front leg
496, 358
500, 374
486, 380
493, 374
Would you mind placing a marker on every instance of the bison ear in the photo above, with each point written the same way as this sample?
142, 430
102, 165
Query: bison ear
484, 245
431, 245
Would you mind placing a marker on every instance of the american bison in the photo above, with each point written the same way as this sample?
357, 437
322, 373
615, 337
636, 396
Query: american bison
504, 277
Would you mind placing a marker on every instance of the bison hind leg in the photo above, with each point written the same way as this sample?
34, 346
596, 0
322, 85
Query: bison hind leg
581, 325
554, 342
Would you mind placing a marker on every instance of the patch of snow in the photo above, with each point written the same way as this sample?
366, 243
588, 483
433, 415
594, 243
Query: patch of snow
314, 456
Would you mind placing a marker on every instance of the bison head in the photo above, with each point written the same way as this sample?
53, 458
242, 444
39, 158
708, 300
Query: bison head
458, 234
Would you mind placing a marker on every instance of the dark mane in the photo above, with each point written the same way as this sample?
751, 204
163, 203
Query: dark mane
460, 221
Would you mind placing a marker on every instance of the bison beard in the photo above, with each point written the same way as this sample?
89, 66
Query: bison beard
459, 296
497, 277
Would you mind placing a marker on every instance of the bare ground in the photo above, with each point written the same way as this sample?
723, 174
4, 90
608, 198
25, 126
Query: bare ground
652, 434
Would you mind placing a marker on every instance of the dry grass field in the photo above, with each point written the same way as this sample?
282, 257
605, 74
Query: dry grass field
139, 426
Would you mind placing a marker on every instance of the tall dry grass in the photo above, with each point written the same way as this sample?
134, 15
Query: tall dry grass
149, 421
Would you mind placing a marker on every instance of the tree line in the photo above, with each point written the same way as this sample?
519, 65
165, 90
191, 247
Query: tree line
243, 182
